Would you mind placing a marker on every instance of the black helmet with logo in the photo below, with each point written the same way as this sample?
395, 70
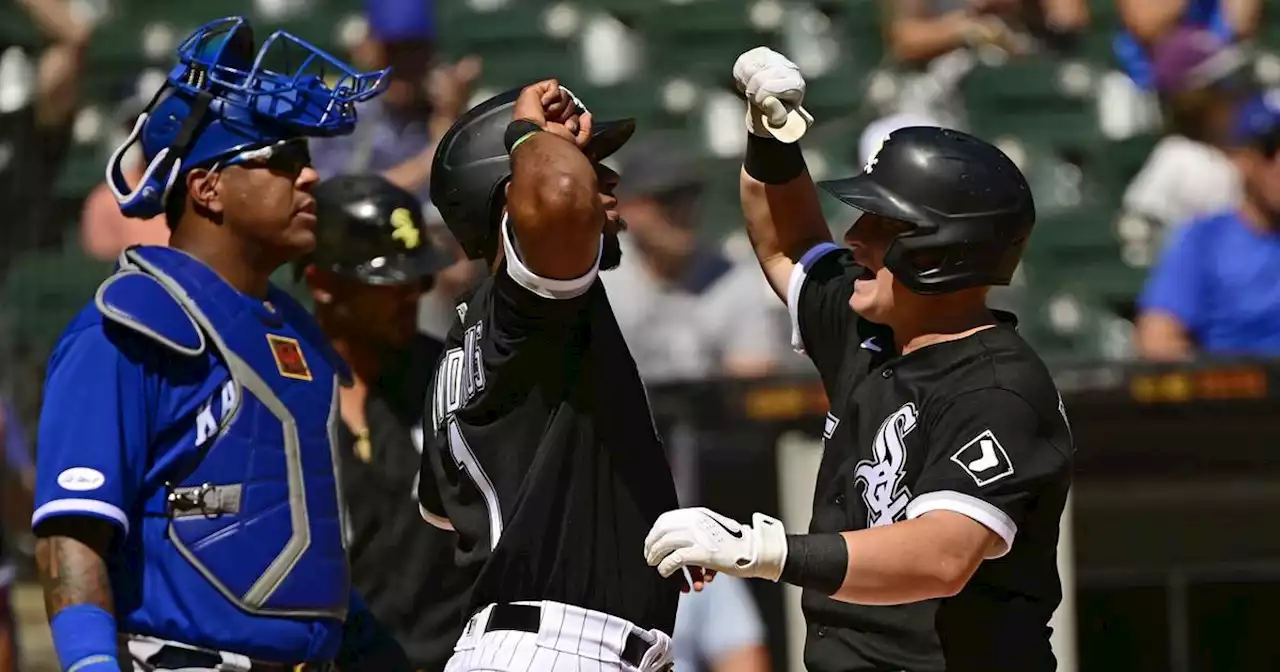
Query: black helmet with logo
969, 207
372, 231
471, 169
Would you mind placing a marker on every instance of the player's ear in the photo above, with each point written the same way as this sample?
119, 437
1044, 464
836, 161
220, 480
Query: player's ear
202, 186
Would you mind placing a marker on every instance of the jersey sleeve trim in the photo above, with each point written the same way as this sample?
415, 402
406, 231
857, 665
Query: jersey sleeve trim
435, 520
967, 505
81, 507
796, 284
547, 288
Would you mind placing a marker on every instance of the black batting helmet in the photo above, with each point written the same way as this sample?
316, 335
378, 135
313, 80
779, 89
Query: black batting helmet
372, 231
970, 208
471, 168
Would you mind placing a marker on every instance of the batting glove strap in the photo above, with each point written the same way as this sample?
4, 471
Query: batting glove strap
770, 552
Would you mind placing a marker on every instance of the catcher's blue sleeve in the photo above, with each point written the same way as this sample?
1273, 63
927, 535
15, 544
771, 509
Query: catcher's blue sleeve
94, 427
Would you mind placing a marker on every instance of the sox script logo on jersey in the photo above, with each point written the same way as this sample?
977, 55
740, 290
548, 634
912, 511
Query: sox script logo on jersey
881, 478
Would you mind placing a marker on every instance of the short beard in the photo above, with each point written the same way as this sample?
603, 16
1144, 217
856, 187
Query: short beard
611, 254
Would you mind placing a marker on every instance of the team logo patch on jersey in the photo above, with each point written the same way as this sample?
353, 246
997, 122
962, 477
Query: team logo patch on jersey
289, 359
829, 430
81, 479
984, 459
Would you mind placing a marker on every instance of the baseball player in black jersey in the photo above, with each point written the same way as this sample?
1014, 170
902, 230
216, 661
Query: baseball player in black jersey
947, 455
541, 450
373, 260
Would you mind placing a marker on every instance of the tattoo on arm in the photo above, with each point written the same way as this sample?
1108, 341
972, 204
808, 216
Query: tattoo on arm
71, 560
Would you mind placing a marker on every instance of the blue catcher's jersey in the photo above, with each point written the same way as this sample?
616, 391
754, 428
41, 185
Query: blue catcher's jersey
200, 421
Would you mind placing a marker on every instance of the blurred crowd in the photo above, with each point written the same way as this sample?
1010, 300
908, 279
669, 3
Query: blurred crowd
697, 307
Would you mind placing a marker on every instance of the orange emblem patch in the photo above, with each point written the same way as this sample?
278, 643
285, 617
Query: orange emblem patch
289, 359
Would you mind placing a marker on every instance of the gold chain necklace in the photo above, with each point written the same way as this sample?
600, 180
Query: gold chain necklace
364, 447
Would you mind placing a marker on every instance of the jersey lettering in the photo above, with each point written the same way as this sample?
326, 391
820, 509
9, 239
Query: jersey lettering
459, 377
207, 419
881, 478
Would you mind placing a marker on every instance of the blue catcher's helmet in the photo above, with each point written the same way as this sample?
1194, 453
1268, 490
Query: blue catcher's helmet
221, 100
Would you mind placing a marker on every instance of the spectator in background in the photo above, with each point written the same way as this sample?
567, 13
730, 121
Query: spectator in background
1215, 290
935, 37
36, 113
1149, 22
397, 132
16, 453
719, 630
1201, 80
105, 231
689, 312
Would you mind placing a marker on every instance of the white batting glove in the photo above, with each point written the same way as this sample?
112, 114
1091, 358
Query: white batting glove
774, 89
701, 537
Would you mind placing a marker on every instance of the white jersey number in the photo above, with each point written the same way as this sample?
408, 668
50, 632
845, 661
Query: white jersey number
466, 460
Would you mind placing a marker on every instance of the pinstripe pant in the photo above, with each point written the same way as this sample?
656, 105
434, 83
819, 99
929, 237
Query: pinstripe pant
569, 639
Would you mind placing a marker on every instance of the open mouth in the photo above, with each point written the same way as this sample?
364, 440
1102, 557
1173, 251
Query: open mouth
867, 274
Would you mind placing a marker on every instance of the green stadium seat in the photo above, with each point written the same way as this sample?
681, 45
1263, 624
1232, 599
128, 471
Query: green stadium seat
44, 290
709, 33
1031, 97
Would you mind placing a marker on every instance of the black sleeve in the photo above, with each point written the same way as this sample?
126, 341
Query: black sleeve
818, 301
527, 306
991, 456
430, 502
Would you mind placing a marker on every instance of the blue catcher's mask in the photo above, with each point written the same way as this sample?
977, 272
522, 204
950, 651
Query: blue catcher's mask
221, 100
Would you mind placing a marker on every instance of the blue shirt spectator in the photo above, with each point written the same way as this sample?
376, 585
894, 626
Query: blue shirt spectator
1133, 45
1217, 278
396, 131
1214, 290
719, 630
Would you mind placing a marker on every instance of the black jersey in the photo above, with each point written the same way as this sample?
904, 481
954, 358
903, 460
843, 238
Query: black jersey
542, 450
402, 568
974, 426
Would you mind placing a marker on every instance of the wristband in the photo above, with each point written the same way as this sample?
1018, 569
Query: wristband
817, 561
517, 132
84, 635
772, 161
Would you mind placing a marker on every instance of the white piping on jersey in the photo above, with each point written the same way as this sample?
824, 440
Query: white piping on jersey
799, 274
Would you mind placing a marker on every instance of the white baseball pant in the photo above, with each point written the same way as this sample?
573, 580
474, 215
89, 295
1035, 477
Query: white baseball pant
554, 637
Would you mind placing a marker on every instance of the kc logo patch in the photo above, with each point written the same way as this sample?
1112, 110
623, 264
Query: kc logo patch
984, 459
289, 359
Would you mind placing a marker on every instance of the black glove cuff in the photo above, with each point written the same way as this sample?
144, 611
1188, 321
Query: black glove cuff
517, 131
772, 161
817, 561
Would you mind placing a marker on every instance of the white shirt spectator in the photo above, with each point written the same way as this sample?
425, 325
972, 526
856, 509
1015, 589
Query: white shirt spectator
1181, 181
687, 330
